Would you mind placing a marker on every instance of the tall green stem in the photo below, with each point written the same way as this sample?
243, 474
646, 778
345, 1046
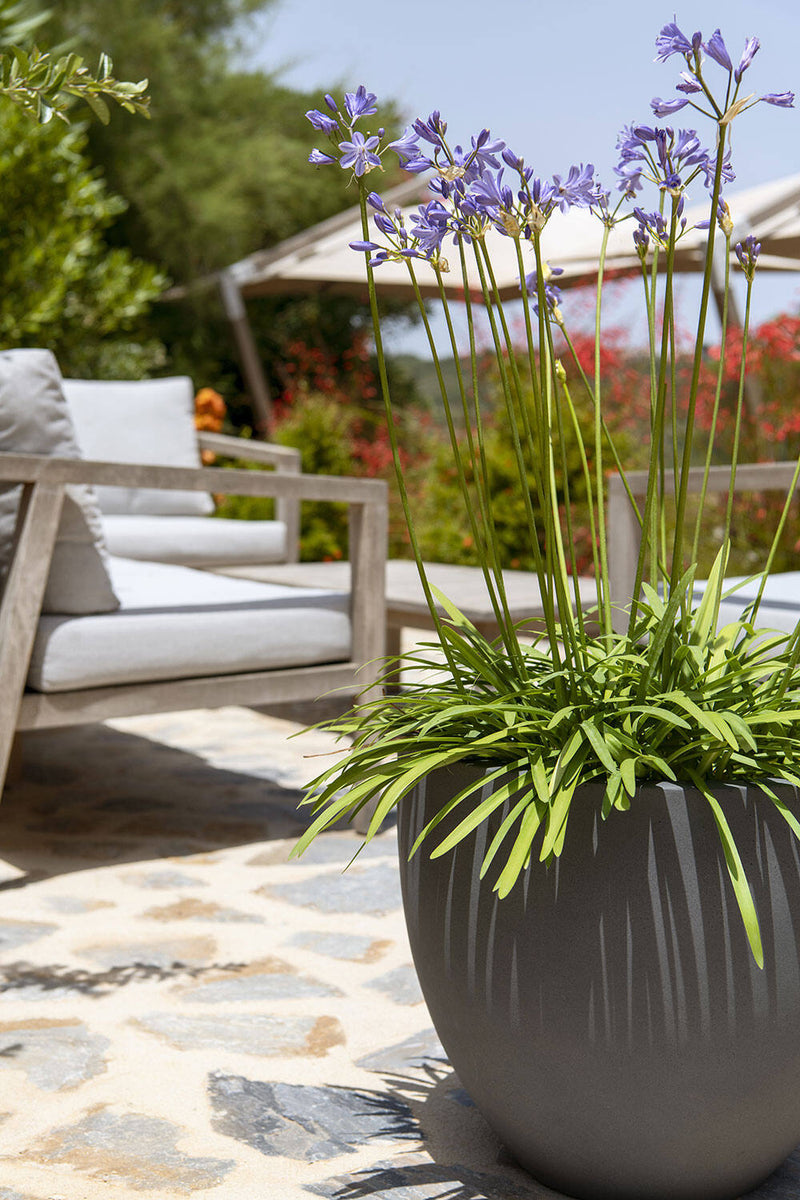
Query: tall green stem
398, 470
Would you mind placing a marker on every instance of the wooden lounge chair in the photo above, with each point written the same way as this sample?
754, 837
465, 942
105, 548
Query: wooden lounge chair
173, 637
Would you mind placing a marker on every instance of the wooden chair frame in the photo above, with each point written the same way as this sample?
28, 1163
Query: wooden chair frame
284, 458
44, 481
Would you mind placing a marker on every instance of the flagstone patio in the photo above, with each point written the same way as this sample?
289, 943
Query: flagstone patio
184, 1012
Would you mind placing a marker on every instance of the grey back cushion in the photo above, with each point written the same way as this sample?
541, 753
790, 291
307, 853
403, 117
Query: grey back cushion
139, 421
34, 419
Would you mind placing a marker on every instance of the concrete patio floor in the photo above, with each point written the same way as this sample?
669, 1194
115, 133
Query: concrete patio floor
184, 1012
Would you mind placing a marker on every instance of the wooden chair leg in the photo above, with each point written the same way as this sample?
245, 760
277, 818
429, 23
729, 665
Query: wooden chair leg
15, 759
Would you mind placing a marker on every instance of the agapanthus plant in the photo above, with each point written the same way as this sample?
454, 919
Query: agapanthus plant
650, 690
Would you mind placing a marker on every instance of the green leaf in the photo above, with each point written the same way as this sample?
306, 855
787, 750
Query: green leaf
557, 815
520, 850
598, 744
495, 799
707, 613
628, 772
98, 106
741, 888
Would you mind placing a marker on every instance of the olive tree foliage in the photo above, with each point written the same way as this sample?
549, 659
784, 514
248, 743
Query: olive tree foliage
61, 286
45, 84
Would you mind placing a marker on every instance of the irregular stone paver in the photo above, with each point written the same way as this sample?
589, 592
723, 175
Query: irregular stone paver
252, 988
414, 1051
350, 947
305, 1122
176, 952
358, 890
20, 933
75, 904
164, 879
55, 1055
11, 1194
401, 985
191, 908
246, 1033
140, 1151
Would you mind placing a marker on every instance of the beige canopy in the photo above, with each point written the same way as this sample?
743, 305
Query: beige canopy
321, 259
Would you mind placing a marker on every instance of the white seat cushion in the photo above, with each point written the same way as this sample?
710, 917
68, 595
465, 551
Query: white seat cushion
139, 421
195, 541
176, 623
34, 419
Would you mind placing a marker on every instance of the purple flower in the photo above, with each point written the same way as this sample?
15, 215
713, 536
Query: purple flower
432, 130
360, 103
511, 160
630, 177
374, 201
689, 85
748, 54
321, 120
652, 223
484, 150
407, 149
747, 253
728, 173
384, 223
552, 294
665, 108
429, 226
580, 188
364, 246
715, 48
671, 41
491, 193
319, 159
331, 103
780, 99
359, 154
641, 240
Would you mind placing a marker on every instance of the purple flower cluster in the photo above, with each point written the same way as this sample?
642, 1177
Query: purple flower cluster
671, 40
355, 151
471, 188
669, 159
747, 253
486, 185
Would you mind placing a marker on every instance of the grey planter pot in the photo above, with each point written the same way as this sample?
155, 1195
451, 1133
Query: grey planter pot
607, 1017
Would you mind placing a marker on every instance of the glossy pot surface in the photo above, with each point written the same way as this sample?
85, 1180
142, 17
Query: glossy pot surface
607, 1017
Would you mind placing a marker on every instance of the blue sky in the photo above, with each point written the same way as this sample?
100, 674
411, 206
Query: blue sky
556, 81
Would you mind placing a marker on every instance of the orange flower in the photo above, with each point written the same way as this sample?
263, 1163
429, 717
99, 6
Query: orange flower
210, 410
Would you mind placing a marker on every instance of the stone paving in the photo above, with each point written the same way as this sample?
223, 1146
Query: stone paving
185, 1012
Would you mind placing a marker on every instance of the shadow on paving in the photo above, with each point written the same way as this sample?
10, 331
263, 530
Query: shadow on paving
89, 796
463, 1159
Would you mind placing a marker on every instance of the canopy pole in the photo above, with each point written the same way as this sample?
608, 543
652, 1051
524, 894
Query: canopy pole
253, 372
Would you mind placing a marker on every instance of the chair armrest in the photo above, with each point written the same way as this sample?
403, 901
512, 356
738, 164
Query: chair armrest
251, 450
285, 458
33, 468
